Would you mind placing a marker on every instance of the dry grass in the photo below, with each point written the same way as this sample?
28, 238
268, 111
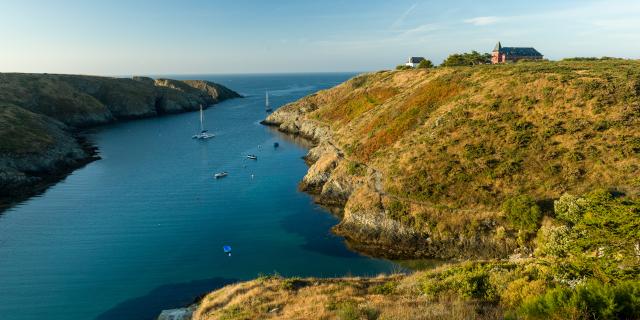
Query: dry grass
384, 297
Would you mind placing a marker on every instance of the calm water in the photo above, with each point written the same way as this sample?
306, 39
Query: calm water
143, 228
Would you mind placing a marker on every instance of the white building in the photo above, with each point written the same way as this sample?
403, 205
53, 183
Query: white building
414, 62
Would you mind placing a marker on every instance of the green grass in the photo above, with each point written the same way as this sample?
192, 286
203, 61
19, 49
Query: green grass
23, 132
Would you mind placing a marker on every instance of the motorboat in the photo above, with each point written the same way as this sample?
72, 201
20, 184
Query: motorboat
220, 175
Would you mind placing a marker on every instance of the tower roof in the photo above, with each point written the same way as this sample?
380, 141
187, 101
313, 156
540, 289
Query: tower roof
498, 47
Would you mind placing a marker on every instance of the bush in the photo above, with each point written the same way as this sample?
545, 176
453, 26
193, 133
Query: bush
356, 169
469, 281
569, 208
387, 288
600, 236
425, 64
467, 59
554, 240
291, 283
592, 300
522, 212
403, 67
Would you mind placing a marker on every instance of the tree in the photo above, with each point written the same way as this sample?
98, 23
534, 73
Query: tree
467, 59
522, 212
425, 64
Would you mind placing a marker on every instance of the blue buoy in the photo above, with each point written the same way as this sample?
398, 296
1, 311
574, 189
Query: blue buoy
227, 250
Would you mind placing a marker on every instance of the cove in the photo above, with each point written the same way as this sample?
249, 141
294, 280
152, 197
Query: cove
143, 229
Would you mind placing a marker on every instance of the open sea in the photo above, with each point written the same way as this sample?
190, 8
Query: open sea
143, 229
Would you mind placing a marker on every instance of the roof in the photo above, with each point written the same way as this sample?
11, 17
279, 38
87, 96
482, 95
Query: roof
416, 59
517, 51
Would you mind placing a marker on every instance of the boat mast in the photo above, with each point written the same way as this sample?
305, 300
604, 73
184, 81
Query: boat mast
201, 120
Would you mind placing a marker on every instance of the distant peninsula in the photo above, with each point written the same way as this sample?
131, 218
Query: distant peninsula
41, 116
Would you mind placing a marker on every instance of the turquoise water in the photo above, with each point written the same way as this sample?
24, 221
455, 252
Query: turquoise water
143, 229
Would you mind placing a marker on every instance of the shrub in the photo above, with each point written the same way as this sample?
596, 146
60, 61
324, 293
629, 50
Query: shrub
554, 240
402, 67
467, 59
522, 212
425, 64
291, 283
385, 288
569, 208
469, 281
349, 310
601, 236
520, 290
592, 300
359, 81
356, 169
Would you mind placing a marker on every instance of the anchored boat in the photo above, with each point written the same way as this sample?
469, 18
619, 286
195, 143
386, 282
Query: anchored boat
204, 134
220, 175
266, 102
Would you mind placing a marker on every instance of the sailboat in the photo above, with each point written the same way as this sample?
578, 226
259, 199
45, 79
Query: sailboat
266, 103
204, 134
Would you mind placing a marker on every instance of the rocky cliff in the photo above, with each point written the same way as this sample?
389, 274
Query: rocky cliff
421, 161
40, 115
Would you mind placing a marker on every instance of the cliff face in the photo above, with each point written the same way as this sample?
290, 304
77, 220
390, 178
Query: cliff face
421, 161
39, 115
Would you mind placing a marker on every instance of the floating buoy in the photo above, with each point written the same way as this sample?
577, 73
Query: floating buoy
227, 250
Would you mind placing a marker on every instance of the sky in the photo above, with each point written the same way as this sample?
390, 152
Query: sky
127, 37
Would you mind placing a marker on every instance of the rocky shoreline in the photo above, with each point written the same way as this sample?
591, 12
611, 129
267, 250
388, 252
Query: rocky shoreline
371, 232
43, 118
38, 182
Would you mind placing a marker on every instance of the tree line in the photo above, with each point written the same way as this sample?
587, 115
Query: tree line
456, 60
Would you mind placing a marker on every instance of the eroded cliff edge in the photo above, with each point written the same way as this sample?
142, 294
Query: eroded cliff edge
422, 161
40, 115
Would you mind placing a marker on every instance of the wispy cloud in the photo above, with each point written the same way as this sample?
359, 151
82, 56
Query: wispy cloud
403, 16
421, 30
483, 21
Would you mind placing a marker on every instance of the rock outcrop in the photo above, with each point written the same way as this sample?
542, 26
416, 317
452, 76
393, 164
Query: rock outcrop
359, 198
40, 115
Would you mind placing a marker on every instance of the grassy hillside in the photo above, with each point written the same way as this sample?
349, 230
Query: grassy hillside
473, 136
442, 151
24, 131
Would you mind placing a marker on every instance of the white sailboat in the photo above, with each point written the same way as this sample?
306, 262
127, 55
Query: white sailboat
266, 103
204, 134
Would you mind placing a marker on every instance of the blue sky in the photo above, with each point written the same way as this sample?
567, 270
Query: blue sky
241, 36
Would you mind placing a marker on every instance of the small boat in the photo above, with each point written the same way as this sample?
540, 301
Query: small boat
266, 103
275, 144
252, 157
220, 175
204, 134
